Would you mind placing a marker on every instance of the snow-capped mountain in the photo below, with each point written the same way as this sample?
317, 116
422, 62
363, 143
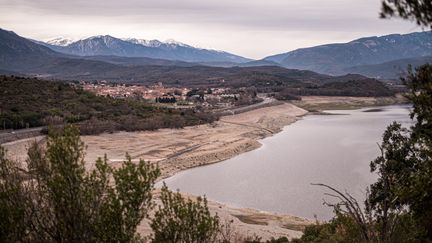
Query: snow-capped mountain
60, 41
130, 47
156, 43
148, 43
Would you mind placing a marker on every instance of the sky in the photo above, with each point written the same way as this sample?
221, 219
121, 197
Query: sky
250, 28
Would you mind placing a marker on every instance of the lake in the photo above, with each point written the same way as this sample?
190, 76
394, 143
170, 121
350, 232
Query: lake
331, 149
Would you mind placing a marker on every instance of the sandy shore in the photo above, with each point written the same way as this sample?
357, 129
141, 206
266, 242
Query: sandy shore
247, 223
176, 150
179, 149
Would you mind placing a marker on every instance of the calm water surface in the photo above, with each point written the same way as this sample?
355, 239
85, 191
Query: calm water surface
334, 149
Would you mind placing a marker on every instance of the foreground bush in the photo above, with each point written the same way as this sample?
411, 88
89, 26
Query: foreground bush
183, 220
53, 198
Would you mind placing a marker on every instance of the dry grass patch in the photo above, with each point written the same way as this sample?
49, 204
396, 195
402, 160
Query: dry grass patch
252, 219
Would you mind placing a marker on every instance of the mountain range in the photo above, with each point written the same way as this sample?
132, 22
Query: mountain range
106, 45
336, 59
383, 57
19, 55
107, 57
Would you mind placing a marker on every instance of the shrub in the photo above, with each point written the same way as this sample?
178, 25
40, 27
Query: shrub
53, 198
183, 220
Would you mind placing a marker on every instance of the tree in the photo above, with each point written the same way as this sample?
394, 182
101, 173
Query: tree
415, 10
382, 201
180, 220
53, 198
405, 167
413, 157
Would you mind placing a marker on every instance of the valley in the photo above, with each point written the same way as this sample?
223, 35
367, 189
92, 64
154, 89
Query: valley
109, 136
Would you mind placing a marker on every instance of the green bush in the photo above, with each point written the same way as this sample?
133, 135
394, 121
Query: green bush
183, 220
55, 199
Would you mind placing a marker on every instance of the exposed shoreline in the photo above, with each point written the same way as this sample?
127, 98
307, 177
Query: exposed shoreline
231, 136
181, 149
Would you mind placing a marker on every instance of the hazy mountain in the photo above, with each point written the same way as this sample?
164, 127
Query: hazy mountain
336, 58
255, 63
390, 70
259, 63
17, 53
138, 61
110, 46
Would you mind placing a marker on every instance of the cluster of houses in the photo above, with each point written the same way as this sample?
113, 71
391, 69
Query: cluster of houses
153, 92
209, 98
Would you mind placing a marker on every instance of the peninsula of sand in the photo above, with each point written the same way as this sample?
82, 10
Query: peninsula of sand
175, 150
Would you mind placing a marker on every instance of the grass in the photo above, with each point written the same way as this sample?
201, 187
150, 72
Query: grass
296, 227
251, 219
329, 106
348, 105
260, 219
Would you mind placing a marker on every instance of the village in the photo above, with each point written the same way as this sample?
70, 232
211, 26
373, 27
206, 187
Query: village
175, 97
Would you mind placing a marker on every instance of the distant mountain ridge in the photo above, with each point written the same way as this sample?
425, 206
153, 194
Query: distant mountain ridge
390, 70
17, 53
336, 58
107, 45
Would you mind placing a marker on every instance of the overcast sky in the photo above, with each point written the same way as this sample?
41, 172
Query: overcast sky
251, 28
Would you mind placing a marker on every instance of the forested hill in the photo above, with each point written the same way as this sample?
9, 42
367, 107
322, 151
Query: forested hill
336, 58
33, 102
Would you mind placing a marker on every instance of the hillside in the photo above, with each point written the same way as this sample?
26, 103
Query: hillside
348, 87
137, 61
392, 70
335, 58
363, 88
35, 102
259, 63
194, 76
17, 52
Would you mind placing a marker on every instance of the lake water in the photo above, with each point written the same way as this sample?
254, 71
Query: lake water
331, 149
